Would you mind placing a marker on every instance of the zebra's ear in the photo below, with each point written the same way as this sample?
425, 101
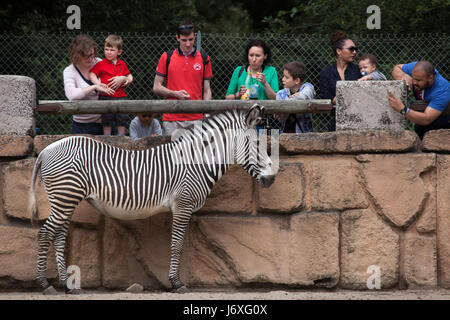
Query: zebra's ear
254, 115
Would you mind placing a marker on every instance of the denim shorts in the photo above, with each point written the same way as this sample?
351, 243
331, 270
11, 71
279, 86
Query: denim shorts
109, 119
87, 128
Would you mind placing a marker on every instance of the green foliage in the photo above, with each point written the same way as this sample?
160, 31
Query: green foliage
323, 16
125, 16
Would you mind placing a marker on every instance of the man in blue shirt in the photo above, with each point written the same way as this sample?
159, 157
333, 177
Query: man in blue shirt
427, 84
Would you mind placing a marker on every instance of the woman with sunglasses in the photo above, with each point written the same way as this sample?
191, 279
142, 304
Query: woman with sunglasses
77, 86
344, 68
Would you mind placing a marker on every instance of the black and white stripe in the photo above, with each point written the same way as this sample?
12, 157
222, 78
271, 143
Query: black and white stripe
130, 184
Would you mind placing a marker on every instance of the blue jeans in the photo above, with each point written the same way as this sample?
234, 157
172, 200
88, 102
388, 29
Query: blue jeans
87, 128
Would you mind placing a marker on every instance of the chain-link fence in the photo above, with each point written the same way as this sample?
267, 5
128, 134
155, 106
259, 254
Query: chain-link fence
44, 56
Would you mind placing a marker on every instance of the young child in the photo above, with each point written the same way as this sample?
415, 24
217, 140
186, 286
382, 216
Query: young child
111, 72
367, 67
144, 125
294, 74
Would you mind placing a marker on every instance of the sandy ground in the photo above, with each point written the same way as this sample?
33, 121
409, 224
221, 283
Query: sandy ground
204, 295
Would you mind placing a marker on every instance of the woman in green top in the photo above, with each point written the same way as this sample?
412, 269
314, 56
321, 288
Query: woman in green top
264, 78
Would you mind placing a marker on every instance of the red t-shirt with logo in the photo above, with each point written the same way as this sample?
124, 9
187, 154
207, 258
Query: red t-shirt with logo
185, 73
105, 69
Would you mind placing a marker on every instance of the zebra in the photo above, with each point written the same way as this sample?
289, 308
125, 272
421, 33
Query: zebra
135, 184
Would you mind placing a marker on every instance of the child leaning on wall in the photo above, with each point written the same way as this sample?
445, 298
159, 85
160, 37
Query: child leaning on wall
144, 125
368, 68
294, 74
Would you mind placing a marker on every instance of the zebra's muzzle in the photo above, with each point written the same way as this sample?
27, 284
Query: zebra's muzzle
266, 181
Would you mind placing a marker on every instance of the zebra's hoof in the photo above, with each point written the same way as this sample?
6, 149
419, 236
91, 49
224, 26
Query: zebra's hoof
49, 291
182, 289
74, 291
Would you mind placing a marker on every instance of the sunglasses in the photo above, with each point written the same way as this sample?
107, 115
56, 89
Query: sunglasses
185, 26
147, 116
352, 49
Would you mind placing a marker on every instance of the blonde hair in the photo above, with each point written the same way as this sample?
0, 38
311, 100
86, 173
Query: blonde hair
114, 41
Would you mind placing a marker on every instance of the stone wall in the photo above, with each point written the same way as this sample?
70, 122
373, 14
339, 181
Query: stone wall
344, 206
341, 202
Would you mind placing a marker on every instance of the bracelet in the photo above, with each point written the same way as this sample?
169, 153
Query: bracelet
404, 111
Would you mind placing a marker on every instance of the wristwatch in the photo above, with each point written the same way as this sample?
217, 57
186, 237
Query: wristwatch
404, 111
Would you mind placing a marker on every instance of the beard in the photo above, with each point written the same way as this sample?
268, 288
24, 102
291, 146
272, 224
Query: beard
427, 85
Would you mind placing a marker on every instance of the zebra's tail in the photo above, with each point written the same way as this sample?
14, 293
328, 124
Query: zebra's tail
32, 202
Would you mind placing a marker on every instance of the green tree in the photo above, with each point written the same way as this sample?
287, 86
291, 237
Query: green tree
149, 16
323, 16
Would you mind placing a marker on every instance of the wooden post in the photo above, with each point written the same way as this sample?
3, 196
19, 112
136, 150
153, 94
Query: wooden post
190, 106
179, 106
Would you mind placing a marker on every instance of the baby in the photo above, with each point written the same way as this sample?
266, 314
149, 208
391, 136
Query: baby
367, 67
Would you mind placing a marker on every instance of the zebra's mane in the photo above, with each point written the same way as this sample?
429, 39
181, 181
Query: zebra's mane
231, 112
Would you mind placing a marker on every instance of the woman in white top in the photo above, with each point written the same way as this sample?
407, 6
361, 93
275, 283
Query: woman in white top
77, 86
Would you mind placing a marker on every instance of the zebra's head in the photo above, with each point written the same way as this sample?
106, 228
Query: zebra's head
251, 148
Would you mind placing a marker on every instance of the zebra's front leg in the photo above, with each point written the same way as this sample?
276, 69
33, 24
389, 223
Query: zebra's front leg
180, 222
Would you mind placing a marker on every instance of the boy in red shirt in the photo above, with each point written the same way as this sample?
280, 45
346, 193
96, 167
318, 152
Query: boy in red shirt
113, 72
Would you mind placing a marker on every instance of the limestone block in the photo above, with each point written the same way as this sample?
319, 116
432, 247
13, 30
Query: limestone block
17, 176
365, 241
335, 184
437, 140
298, 250
18, 254
137, 252
364, 105
426, 222
399, 185
17, 104
286, 194
443, 219
3, 219
15, 146
232, 193
349, 142
314, 249
42, 141
420, 263
83, 250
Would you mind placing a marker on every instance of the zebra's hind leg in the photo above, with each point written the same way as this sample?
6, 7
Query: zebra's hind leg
45, 238
180, 222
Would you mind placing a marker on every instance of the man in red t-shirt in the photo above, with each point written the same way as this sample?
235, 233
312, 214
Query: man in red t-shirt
185, 78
